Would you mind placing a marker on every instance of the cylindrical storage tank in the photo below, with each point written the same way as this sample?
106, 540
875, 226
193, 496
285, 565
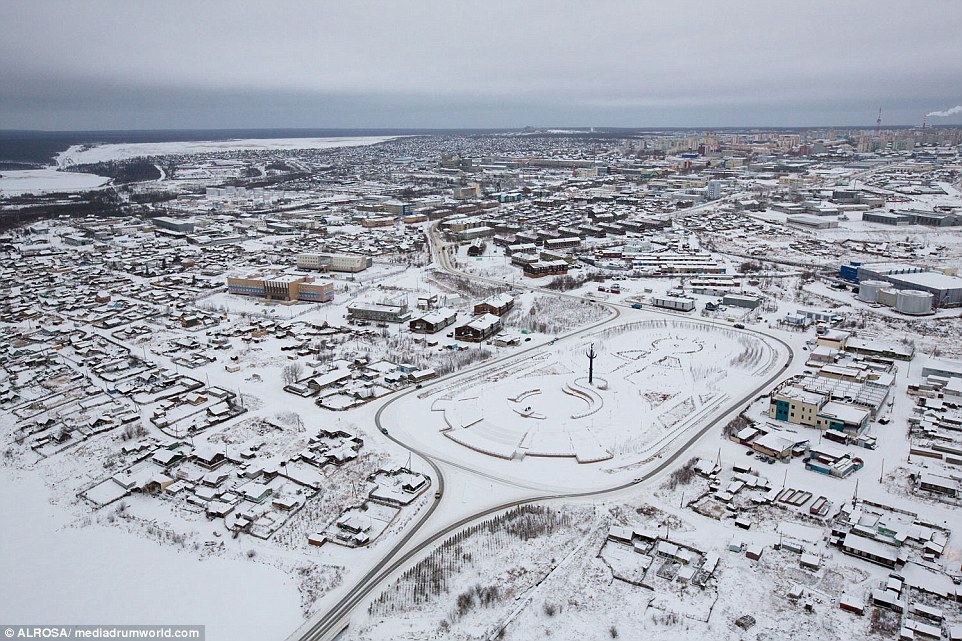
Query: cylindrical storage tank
914, 302
868, 290
888, 296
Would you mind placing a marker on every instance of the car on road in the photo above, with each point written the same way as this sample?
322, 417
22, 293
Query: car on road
383, 430
437, 495
739, 326
636, 305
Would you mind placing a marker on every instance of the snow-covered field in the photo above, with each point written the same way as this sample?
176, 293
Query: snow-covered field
38, 181
102, 575
84, 154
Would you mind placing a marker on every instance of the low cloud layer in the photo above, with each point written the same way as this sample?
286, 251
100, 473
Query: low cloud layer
115, 64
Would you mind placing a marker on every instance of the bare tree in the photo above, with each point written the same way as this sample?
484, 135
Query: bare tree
292, 373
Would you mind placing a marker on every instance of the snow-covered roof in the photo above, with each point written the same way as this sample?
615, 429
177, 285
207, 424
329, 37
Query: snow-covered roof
844, 412
484, 322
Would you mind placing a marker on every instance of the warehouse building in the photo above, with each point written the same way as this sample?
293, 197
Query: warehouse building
946, 290
379, 312
886, 218
810, 220
674, 303
334, 262
182, 225
742, 300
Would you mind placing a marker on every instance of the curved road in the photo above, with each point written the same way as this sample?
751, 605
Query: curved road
337, 618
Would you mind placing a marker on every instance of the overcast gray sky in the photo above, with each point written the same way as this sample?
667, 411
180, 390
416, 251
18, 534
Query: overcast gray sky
118, 64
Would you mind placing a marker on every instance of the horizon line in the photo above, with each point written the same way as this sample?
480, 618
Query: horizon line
572, 128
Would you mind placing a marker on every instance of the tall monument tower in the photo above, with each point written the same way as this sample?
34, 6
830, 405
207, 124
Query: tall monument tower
591, 363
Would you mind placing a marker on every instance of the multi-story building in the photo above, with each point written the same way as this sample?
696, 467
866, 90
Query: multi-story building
541, 268
815, 409
334, 262
379, 312
287, 288
478, 328
795, 405
433, 321
182, 225
714, 189
497, 305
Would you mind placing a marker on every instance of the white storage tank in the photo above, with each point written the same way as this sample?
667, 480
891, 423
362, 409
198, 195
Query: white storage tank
868, 290
911, 301
888, 296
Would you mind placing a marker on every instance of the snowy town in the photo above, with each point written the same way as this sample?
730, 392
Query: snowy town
483, 386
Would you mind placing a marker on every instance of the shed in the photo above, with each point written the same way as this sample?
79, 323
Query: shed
810, 561
851, 603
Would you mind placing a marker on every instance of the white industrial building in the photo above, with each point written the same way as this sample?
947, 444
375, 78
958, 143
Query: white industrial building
334, 262
946, 290
674, 303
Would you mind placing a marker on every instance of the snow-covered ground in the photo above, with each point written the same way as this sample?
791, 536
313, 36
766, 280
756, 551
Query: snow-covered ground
38, 181
84, 154
103, 575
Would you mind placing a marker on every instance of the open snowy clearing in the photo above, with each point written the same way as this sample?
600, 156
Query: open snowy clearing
37, 181
101, 575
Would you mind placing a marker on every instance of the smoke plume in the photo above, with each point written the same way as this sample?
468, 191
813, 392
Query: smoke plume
945, 114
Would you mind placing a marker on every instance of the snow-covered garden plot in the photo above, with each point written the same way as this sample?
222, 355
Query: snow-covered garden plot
652, 381
553, 315
615, 572
360, 525
473, 581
